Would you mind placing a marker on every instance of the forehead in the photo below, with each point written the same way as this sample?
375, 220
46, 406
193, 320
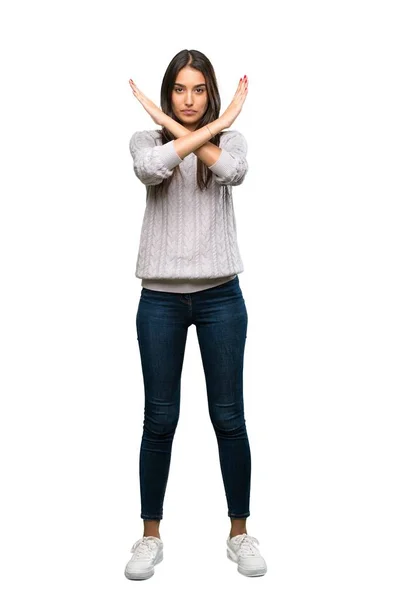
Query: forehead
187, 76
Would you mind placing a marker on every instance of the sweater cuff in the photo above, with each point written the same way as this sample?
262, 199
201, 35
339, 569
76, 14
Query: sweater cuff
224, 165
168, 155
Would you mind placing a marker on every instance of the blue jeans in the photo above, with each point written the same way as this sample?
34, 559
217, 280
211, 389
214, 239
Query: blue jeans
162, 322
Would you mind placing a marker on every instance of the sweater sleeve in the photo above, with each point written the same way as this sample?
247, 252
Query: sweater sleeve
231, 166
152, 163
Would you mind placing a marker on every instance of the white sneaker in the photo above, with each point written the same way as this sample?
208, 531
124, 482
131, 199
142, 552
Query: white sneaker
243, 551
147, 552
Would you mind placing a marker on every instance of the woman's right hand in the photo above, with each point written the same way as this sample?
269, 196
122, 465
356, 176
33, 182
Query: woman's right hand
235, 106
154, 111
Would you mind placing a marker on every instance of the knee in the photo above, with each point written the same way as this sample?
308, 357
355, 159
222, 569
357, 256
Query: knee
161, 421
229, 425
160, 428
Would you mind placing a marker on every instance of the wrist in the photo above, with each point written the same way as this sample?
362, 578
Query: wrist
218, 125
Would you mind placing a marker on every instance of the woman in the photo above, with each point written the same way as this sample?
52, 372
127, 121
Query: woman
189, 262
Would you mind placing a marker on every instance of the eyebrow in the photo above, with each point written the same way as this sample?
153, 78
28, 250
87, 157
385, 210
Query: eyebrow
195, 86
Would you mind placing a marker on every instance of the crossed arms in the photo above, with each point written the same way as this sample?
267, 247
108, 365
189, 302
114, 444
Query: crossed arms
196, 141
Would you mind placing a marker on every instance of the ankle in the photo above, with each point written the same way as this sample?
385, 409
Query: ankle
233, 533
238, 526
151, 527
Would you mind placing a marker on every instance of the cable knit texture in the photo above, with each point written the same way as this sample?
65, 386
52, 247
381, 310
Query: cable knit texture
188, 233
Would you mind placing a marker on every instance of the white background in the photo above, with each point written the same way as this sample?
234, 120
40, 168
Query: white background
318, 230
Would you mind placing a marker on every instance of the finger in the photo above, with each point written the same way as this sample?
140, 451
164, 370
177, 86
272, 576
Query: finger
243, 85
133, 85
135, 88
137, 92
239, 89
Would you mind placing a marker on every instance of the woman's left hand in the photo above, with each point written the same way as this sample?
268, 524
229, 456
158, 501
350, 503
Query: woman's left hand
154, 111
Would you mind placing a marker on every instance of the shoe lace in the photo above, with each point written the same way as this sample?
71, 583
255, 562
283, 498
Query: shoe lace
247, 545
144, 547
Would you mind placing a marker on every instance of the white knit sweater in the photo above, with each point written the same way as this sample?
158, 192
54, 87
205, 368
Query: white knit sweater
188, 238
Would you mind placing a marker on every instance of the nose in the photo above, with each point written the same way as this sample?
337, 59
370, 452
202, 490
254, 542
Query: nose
188, 100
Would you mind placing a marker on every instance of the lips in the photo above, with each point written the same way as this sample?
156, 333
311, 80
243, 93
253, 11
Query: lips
189, 112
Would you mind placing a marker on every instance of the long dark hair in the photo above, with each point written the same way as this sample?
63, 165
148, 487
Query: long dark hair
196, 60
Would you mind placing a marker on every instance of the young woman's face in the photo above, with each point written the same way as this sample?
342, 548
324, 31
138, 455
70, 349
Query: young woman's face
189, 93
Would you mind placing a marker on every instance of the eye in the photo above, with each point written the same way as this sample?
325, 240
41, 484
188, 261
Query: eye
178, 89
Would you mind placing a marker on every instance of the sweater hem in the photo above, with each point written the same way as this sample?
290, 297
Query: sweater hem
168, 155
224, 165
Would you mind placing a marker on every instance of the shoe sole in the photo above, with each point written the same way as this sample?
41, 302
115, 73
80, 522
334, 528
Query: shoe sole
248, 573
138, 575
